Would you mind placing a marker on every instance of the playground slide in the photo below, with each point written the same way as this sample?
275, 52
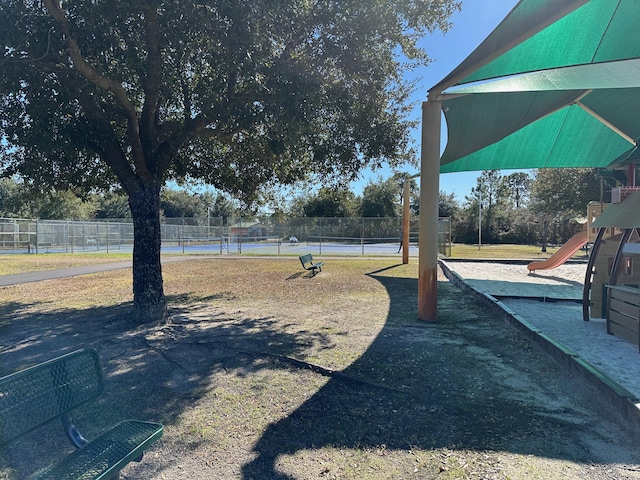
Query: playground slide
574, 244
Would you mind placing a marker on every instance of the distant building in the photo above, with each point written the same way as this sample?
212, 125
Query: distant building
247, 229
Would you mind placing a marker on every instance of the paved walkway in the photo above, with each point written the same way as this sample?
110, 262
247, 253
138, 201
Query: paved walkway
17, 278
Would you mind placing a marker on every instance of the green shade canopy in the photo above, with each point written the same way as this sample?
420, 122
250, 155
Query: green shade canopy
565, 92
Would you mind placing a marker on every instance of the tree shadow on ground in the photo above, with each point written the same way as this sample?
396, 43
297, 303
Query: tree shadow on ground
152, 373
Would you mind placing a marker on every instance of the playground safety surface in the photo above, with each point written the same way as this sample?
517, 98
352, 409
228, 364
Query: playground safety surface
548, 305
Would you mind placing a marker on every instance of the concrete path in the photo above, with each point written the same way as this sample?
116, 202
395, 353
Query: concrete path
37, 276
17, 278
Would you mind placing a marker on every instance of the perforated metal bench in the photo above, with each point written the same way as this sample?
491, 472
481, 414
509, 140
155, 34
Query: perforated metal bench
308, 263
39, 394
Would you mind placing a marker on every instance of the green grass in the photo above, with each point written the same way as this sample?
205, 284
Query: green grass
231, 374
534, 252
10, 263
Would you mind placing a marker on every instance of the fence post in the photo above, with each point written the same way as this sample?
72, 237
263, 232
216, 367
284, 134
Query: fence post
37, 231
405, 239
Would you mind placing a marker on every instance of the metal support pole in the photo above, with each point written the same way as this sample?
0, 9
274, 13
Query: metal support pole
429, 197
479, 219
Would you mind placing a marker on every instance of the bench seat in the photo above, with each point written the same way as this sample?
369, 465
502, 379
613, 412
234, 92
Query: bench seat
309, 264
107, 454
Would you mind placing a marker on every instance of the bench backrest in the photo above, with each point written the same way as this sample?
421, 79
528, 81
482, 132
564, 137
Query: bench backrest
34, 396
307, 258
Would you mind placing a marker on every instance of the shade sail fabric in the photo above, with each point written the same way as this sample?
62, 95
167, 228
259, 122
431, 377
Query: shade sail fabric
571, 100
625, 214
601, 75
599, 31
526, 18
568, 138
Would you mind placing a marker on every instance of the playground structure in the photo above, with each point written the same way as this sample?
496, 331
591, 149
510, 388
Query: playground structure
612, 280
611, 287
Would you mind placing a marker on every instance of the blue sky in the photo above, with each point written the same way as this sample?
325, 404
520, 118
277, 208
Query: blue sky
471, 26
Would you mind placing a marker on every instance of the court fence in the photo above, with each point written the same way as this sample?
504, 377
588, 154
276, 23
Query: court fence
217, 235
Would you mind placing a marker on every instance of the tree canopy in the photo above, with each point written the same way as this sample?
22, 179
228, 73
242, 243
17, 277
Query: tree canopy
382, 199
237, 94
330, 203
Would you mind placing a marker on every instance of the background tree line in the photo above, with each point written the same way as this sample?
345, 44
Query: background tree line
548, 206
381, 199
521, 208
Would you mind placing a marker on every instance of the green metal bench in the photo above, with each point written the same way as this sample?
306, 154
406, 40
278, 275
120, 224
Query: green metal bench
308, 264
37, 395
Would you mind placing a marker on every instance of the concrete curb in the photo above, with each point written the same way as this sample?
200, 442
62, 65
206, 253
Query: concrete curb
612, 397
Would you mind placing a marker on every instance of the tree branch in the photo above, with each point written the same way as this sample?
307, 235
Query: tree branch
106, 143
153, 77
87, 71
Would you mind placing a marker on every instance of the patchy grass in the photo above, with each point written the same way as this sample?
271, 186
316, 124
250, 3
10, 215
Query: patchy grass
265, 372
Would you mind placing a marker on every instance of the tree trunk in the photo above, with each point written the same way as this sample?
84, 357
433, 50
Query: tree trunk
148, 294
545, 234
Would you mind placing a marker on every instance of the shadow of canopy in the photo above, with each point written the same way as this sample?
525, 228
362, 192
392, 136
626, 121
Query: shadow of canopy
469, 382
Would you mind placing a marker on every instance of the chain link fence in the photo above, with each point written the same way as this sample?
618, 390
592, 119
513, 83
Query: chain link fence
366, 236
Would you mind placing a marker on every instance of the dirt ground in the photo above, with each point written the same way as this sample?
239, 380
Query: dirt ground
263, 372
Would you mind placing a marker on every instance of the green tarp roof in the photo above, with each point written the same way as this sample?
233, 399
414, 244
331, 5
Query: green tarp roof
570, 98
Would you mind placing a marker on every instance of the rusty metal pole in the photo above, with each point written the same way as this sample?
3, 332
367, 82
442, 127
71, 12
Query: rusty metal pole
406, 225
429, 196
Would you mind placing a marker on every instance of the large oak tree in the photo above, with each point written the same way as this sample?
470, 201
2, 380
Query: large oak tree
97, 94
